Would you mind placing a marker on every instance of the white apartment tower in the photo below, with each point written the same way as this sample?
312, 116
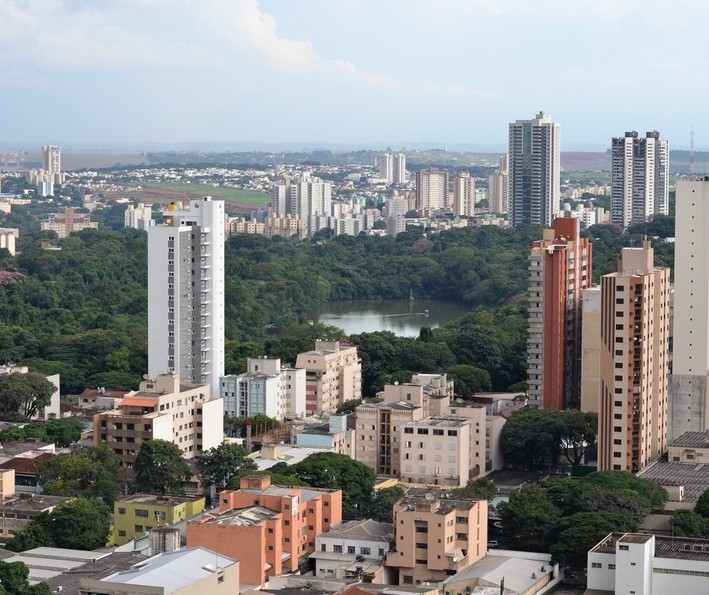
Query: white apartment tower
186, 293
639, 178
399, 164
535, 164
689, 398
52, 162
138, 217
498, 187
464, 196
431, 190
392, 168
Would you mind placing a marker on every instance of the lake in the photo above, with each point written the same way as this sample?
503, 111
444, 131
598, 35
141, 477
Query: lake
402, 317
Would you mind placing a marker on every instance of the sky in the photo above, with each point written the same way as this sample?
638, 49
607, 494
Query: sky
369, 73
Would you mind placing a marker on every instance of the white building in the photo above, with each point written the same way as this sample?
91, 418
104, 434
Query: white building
535, 164
186, 293
8, 236
399, 169
265, 389
431, 190
52, 163
464, 195
51, 411
139, 217
689, 397
339, 552
386, 167
648, 565
498, 183
640, 172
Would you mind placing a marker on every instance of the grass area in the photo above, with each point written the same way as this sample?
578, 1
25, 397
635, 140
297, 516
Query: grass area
242, 197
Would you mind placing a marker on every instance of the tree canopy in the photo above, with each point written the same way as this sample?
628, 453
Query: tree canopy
219, 464
22, 395
159, 468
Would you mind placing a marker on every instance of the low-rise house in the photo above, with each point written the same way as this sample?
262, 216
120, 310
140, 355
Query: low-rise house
18, 511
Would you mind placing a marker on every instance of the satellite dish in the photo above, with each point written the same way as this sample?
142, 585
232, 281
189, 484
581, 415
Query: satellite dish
429, 496
145, 376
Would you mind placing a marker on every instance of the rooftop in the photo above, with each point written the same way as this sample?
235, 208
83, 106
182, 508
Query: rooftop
156, 500
26, 465
289, 454
243, 517
515, 572
694, 478
369, 530
44, 563
94, 569
446, 422
681, 548
692, 440
12, 449
31, 503
417, 496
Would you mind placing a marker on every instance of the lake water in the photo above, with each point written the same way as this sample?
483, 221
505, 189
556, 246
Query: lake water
402, 317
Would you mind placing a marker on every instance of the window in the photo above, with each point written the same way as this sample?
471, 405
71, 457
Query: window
408, 430
121, 533
138, 528
337, 549
141, 512
611, 567
625, 548
365, 551
351, 549
596, 565
121, 511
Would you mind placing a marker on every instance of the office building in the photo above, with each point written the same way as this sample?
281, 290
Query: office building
186, 293
639, 178
333, 375
689, 409
560, 268
464, 196
67, 222
431, 190
264, 389
498, 183
436, 535
164, 409
648, 565
534, 169
634, 363
270, 529
138, 216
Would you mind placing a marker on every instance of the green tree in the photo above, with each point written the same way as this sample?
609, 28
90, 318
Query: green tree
91, 473
65, 431
469, 380
331, 470
630, 504
477, 489
382, 507
21, 395
702, 505
217, 465
529, 518
688, 523
576, 535
35, 535
348, 407
80, 524
532, 437
159, 468
580, 434
622, 481
14, 580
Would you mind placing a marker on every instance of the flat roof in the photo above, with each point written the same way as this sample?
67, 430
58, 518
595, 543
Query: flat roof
156, 500
446, 422
367, 530
516, 572
678, 548
244, 517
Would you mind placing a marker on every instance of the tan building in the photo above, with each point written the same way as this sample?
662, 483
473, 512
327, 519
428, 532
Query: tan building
333, 375
164, 409
436, 535
635, 330
591, 349
8, 237
67, 222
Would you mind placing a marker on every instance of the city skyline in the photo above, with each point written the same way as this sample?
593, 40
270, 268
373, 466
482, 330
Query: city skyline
254, 71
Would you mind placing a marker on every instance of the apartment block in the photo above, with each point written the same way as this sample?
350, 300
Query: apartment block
265, 389
333, 375
498, 186
436, 535
67, 222
136, 514
337, 435
164, 409
635, 352
560, 268
139, 216
431, 190
269, 529
464, 195
8, 237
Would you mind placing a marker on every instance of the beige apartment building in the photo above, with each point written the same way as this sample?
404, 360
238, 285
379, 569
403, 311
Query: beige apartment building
635, 331
436, 535
67, 222
333, 375
164, 409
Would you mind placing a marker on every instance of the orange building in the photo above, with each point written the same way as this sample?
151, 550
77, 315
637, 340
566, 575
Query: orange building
560, 268
269, 529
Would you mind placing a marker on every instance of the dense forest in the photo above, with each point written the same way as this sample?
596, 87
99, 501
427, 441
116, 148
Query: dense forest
82, 311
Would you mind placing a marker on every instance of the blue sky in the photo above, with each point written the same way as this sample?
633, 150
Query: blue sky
401, 73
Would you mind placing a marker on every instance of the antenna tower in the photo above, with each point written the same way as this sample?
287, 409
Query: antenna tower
691, 155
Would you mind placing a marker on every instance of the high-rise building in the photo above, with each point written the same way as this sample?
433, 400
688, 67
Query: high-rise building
497, 188
52, 162
689, 408
431, 190
560, 268
464, 196
639, 178
399, 166
138, 217
635, 351
386, 167
535, 163
186, 293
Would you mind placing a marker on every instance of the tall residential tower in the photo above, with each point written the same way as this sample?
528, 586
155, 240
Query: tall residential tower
534, 168
639, 178
560, 268
186, 293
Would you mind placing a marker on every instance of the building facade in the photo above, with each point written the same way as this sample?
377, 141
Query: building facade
333, 375
163, 409
67, 222
639, 178
534, 169
186, 293
431, 190
560, 268
634, 363
436, 535
52, 163
269, 529
265, 389
139, 216
464, 196
497, 193
690, 358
